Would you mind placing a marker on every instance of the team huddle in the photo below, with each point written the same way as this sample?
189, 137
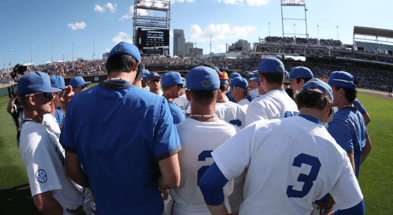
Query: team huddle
272, 142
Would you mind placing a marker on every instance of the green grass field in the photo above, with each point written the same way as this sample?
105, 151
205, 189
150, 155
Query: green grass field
376, 174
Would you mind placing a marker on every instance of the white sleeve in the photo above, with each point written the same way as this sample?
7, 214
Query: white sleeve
38, 163
346, 192
241, 112
255, 112
234, 155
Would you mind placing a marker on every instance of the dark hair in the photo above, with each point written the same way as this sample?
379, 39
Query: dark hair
23, 100
305, 80
312, 98
245, 92
223, 87
273, 78
289, 91
120, 62
204, 97
350, 94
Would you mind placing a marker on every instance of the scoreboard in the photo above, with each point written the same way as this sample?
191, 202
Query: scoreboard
152, 41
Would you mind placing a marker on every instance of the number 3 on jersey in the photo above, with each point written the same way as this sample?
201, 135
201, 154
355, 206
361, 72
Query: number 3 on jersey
307, 179
202, 157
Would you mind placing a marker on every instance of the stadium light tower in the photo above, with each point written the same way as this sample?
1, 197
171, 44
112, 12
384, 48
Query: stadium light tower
293, 3
51, 55
337, 32
94, 42
151, 31
72, 51
269, 29
10, 56
31, 54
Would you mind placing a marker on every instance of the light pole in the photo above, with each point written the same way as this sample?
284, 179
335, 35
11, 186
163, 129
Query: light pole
51, 55
318, 31
269, 29
10, 56
337, 32
294, 29
72, 51
94, 42
31, 54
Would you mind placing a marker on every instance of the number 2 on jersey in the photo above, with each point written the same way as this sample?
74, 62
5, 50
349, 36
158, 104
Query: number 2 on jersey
202, 157
307, 179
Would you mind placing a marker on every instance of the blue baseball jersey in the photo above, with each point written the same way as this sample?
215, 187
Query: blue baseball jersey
59, 116
178, 115
120, 132
350, 132
360, 107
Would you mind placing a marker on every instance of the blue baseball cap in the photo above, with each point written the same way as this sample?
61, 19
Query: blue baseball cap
239, 82
249, 75
271, 65
315, 83
234, 75
57, 82
125, 48
255, 77
202, 78
78, 81
153, 75
35, 82
301, 72
172, 78
342, 79
145, 73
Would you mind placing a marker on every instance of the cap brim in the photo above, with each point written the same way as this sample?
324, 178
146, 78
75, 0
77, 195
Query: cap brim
53, 90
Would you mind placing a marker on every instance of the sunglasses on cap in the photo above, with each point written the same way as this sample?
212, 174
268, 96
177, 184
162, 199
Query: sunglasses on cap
155, 80
180, 86
46, 95
234, 88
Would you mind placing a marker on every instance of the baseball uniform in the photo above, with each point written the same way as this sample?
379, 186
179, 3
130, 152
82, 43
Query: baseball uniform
291, 163
182, 102
232, 113
198, 140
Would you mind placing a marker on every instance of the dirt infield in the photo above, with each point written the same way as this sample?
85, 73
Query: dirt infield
380, 94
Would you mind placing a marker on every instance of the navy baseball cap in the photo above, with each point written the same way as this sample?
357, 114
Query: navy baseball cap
271, 65
57, 82
239, 82
202, 78
35, 82
234, 75
315, 83
172, 78
301, 72
342, 79
145, 73
125, 48
153, 75
78, 81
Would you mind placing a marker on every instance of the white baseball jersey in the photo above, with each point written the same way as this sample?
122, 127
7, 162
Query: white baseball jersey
198, 140
50, 122
254, 93
273, 105
244, 102
182, 102
291, 163
43, 158
231, 112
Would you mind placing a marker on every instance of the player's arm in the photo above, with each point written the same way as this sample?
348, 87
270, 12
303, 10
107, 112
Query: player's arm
10, 107
74, 169
358, 209
367, 118
351, 156
366, 150
170, 173
46, 204
211, 185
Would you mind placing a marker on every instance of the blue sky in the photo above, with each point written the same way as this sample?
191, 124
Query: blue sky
40, 23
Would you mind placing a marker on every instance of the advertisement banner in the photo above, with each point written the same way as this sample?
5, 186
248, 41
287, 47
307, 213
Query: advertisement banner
293, 2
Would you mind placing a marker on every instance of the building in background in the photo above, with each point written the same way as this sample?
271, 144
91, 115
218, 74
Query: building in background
189, 46
240, 46
195, 52
179, 42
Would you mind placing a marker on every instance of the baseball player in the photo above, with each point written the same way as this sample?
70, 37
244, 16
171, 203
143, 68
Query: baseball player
390, 91
231, 77
154, 83
43, 156
58, 82
275, 103
291, 163
79, 84
239, 91
199, 135
254, 83
173, 85
363, 111
299, 76
125, 139
144, 79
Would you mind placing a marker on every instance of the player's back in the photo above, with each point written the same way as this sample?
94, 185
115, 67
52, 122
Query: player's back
273, 105
198, 140
231, 112
294, 162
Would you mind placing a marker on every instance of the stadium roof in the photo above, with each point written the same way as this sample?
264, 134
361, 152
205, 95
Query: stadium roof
376, 32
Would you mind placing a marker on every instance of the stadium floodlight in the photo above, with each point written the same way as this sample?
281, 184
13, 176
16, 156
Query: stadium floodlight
293, 3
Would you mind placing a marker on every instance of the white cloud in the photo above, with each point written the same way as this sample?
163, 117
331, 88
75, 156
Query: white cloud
121, 37
181, 1
219, 49
130, 13
101, 9
77, 25
106, 50
219, 32
230, 1
257, 2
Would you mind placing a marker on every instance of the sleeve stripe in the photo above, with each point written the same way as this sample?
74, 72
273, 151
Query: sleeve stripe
168, 154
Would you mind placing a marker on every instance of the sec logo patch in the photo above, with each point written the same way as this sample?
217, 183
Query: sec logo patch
41, 176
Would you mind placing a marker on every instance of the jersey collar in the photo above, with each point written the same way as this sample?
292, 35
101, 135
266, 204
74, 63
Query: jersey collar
312, 119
